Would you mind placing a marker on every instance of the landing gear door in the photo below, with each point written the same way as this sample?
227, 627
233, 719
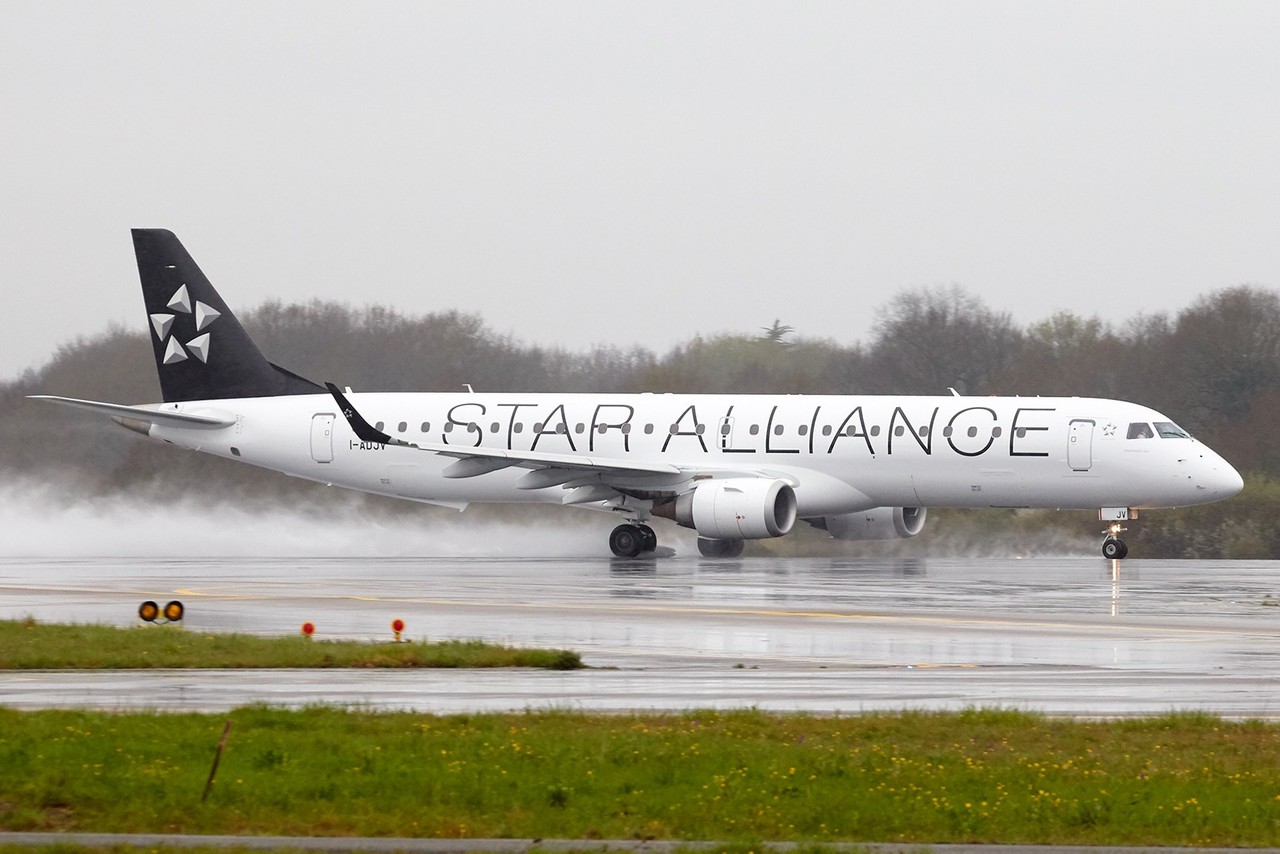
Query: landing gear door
322, 437
1080, 444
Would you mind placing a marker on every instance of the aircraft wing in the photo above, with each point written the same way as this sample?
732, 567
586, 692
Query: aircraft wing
209, 421
588, 478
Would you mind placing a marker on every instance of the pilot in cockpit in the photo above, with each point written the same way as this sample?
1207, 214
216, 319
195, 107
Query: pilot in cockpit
1140, 430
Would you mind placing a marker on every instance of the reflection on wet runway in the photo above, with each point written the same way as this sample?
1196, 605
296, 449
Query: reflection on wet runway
1064, 636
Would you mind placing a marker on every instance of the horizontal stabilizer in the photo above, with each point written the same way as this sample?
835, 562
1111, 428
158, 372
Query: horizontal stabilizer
208, 421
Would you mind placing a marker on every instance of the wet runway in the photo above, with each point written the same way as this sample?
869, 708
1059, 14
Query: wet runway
1075, 636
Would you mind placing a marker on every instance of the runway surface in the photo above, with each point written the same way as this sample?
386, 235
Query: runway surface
1071, 636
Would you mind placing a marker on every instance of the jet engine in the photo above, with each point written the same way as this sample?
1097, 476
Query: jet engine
878, 523
739, 508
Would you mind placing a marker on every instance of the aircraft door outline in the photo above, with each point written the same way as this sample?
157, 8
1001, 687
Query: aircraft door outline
1080, 444
322, 437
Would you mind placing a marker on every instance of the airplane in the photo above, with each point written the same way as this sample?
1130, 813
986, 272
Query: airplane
731, 467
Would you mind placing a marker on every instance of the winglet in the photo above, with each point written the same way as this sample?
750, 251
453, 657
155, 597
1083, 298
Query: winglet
364, 431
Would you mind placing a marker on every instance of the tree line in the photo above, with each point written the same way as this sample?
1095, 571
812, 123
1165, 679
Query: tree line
1213, 367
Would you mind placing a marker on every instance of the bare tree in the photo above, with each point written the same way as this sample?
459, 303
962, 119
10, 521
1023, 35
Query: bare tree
929, 339
1226, 350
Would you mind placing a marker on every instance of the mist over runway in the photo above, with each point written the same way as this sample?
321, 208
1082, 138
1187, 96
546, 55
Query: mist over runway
1072, 636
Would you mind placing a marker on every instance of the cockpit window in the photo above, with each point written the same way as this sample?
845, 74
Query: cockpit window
1169, 430
1140, 430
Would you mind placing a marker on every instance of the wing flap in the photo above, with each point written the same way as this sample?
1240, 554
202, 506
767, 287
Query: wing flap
539, 459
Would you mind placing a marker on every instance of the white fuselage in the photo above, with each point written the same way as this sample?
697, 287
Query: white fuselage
840, 453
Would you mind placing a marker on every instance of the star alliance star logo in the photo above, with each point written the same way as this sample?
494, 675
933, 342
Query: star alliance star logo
163, 323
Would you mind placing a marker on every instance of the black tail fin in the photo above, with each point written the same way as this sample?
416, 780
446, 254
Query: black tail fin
202, 351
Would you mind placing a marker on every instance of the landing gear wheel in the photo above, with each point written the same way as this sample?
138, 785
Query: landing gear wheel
1114, 548
719, 548
626, 540
650, 539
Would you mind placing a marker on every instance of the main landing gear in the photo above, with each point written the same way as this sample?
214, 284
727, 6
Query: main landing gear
635, 538
1114, 548
631, 539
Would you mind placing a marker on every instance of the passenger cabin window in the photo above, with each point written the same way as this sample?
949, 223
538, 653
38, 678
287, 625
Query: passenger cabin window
1140, 430
1169, 430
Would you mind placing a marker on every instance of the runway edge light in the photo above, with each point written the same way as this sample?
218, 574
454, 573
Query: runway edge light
397, 626
308, 629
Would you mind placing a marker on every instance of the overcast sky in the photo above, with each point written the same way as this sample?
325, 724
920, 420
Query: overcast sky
636, 173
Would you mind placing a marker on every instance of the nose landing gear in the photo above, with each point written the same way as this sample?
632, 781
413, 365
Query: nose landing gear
1114, 548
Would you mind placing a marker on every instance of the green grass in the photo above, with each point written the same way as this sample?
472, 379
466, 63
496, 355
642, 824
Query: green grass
28, 645
981, 776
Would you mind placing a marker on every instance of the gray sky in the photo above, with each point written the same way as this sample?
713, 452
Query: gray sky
583, 172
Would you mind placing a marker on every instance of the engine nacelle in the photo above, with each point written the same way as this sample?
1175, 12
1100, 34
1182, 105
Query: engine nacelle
878, 523
739, 508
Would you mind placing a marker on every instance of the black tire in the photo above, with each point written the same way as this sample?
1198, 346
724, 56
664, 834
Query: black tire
626, 541
148, 611
1114, 548
720, 548
649, 537
173, 611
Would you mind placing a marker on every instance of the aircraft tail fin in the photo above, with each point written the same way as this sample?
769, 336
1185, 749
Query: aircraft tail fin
202, 352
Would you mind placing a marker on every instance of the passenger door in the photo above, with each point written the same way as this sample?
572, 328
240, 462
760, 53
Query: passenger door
1080, 444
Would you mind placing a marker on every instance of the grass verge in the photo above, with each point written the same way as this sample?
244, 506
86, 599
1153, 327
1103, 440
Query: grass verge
28, 645
980, 776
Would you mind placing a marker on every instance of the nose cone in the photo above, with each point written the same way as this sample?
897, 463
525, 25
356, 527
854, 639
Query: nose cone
1226, 480
1215, 478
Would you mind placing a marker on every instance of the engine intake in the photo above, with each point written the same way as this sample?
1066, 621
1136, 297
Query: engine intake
878, 523
740, 508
